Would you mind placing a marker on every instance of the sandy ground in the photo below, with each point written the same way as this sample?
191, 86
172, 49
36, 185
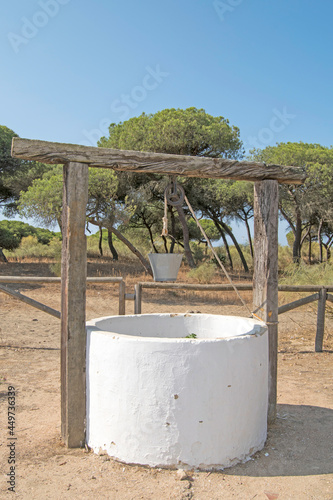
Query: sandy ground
296, 463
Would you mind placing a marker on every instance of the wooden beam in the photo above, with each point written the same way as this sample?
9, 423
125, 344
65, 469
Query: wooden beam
298, 303
137, 298
154, 163
73, 298
51, 279
265, 278
194, 286
30, 302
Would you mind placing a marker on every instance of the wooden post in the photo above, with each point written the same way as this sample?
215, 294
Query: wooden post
137, 298
320, 320
122, 290
73, 304
265, 279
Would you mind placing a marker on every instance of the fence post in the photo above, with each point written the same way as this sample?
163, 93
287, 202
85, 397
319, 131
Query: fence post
137, 298
321, 320
122, 307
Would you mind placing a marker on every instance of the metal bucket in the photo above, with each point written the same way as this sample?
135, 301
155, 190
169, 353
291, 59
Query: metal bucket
165, 266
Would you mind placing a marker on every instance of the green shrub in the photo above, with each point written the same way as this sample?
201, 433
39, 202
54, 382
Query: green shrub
204, 273
303, 274
31, 248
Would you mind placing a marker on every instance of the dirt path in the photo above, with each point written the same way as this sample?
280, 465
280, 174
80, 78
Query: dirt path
296, 463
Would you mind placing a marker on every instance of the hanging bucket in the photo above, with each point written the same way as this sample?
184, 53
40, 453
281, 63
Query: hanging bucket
165, 266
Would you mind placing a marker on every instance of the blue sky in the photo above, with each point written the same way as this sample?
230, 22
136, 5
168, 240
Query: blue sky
70, 67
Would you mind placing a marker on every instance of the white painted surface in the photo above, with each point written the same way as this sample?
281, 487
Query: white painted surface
155, 398
165, 266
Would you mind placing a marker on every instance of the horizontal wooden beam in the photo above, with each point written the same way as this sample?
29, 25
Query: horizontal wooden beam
194, 286
46, 279
154, 163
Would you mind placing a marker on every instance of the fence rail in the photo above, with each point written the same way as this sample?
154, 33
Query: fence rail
47, 309
321, 294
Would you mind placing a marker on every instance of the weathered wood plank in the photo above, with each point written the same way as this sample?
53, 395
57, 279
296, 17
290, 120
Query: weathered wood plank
73, 298
30, 302
122, 298
298, 303
193, 286
320, 320
50, 279
329, 297
137, 298
154, 163
265, 278
304, 288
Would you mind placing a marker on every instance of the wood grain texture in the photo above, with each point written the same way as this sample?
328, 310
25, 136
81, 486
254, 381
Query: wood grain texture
298, 303
154, 163
51, 279
265, 277
321, 320
137, 298
73, 304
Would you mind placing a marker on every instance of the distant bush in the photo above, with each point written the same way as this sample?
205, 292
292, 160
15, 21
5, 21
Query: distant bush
303, 274
12, 232
31, 248
204, 273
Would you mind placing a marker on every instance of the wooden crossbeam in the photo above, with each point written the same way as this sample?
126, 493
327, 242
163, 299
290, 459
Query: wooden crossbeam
30, 302
298, 303
154, 163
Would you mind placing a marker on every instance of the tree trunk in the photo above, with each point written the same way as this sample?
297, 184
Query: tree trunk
187, 250
310, 248
227, 249
136, 252
126, 242
112, 248
3, 258
100, 247
59, 221
150, 236
249, 236
165, 244
235, 242
320, 243
298, 237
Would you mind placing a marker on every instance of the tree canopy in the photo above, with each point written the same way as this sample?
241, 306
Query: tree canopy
174, 131
308, 206
15, 175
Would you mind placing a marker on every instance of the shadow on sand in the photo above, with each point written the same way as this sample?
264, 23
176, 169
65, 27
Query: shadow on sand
299, 444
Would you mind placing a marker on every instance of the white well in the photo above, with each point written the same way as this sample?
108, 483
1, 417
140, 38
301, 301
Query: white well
156, 398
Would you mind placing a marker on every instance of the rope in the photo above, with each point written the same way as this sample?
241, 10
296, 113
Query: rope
215, 255
174, 199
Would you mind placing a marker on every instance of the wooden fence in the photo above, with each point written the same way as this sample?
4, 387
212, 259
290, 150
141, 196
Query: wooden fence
319, 293
33, 280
